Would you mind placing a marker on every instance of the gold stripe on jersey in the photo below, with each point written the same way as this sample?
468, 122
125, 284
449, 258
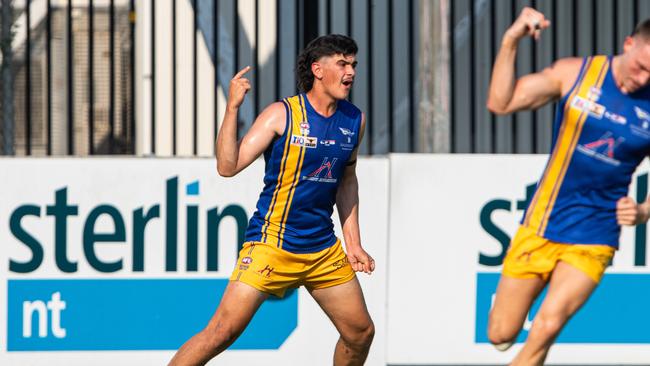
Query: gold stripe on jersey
283, 163
554, 153
573, 121
297, 174
286, 181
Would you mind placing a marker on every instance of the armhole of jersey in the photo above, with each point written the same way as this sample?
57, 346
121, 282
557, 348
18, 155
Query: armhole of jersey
356, 146
585, 61
287, 122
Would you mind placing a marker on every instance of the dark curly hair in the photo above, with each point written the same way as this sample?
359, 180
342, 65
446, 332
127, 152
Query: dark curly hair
331, 44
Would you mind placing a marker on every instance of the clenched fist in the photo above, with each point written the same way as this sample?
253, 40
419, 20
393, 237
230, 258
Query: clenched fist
530, 22
629, 213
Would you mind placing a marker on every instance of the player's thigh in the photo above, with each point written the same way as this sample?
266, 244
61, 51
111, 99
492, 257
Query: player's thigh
513, 300
239, 303
569, 288
345, 305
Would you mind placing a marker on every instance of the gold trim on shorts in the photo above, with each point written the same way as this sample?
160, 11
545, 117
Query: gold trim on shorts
274, 270
531, 256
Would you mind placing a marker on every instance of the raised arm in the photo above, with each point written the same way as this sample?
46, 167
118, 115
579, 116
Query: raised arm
232, 155
508, 94
347, 203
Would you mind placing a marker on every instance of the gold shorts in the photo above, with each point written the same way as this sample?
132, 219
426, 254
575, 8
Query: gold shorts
274, 270
532, 256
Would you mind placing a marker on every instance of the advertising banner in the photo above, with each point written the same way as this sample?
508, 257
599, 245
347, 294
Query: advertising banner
120, 261
451, 221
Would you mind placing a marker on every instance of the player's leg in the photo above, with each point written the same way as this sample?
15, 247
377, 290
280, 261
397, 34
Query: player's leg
334, 285
569, 288
238, 305
512, 302
573, 280
525, 273
345, 306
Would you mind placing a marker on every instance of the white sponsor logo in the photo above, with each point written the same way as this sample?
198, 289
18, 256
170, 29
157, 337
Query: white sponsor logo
304, 141
594, 109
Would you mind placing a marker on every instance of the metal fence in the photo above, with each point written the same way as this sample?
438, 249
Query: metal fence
150, 77
87, 82
578, 28
73, 75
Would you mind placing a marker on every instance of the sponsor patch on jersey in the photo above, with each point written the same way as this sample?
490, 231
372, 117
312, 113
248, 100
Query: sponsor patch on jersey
642, 114
304, 141
603, 149
346, 132
594, 94
616, 118
328, 142
594, 109
304, 128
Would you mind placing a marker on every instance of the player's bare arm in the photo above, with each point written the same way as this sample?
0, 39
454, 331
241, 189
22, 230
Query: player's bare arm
347, 203
507, 94
232, 155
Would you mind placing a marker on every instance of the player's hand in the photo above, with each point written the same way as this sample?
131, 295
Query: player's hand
629, 213
530, 22
360, 260
239, 86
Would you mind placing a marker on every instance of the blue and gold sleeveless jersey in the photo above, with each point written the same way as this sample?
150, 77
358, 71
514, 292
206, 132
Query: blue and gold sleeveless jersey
303, 170
600, 136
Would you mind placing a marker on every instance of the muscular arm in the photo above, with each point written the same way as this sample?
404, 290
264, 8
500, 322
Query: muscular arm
232, 155
347, 203
508, 94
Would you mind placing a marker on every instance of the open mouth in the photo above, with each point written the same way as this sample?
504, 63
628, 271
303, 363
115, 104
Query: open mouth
348, 83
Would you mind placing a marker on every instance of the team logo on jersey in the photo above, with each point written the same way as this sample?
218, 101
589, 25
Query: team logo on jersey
642, 114
594, 94
324, 172
328, 142
304, 141
347, 133
247, 260
603, 148
304, 128
594, 109
616, 118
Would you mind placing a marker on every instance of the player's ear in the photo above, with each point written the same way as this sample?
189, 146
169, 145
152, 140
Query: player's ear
317, 70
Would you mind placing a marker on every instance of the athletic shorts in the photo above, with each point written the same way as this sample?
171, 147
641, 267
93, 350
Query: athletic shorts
531, 256
274, 270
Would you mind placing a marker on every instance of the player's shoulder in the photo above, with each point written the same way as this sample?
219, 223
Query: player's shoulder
566, 67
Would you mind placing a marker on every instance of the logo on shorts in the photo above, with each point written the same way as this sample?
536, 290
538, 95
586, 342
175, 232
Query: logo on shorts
524, 257
340, 263
266, 271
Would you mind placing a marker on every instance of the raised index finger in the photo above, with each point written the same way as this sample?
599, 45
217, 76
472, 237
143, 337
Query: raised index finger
242, 72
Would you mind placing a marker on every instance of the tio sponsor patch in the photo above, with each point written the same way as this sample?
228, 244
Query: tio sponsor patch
304, 141
594, 109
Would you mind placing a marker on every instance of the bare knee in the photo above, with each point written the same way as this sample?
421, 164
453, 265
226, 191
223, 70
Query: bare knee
499, 332
547, 327
361, 337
